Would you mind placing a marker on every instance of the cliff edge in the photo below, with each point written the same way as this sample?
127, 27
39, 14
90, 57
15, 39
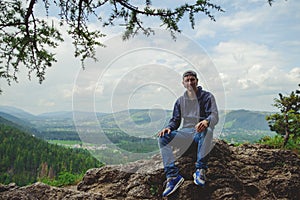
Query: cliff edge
243, 172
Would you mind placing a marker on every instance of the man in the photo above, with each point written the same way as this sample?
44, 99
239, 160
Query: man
198, 110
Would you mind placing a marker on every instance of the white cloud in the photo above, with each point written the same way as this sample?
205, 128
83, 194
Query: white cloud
239, 56
90, 88
246, 84
294, 74
46, 103
252, 71
239, 21
254, 47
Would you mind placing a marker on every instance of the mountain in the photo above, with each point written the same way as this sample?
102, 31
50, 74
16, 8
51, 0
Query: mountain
47, 126
242, 126
136, 122
243, 172
57, 115
10, 120
70, 114
17, 112
4, 121
239, 126
246, 119
14, 119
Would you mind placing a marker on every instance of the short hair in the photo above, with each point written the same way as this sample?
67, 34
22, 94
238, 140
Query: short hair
189, 73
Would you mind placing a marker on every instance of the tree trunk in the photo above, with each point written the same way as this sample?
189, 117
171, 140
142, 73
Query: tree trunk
287, 132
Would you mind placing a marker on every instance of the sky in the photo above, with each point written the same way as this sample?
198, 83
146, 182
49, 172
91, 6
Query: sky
245, 58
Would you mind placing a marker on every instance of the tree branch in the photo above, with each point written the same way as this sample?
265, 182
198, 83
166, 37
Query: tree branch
29, 12
165, 13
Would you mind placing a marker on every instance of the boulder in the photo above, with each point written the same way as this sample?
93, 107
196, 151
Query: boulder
242, 172
41, 191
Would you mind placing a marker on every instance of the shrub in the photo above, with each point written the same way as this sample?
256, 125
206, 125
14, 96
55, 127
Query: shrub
63, 179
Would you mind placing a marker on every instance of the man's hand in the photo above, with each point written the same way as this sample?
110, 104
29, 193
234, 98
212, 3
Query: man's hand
163, 132
201, 126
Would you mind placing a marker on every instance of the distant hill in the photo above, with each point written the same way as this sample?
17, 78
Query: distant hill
137, 122
14, 119
6, 122
60, 114
10, 120
245, 119
239, 126
134, 131
245, 126
69, 114
17, 112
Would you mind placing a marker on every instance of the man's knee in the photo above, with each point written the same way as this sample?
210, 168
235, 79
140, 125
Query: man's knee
209, 130
209, 133
164, 140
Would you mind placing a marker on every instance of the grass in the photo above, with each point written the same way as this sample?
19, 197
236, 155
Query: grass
277, 141
63, 179
65, 142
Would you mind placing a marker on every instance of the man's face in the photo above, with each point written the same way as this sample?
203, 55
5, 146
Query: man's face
190, 83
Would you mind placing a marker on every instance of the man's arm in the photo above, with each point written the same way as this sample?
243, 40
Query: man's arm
212, 111
202, 125
174, 122
163, 132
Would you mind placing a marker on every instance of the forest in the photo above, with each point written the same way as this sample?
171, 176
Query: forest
25, 159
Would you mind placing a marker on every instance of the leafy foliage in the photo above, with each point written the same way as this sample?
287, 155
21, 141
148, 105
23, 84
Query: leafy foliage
286, 122
25, 40
277, 141
63, 179
28, 40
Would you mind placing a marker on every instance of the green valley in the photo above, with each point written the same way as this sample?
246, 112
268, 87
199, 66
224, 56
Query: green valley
24, 159
120, 137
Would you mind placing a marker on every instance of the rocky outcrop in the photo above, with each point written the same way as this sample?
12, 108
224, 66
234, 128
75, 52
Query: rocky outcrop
244, 172
41, 191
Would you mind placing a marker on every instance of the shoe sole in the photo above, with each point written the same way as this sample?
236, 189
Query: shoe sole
200, 184
176, 186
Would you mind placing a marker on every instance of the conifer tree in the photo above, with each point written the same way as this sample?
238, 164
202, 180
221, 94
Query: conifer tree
287, 122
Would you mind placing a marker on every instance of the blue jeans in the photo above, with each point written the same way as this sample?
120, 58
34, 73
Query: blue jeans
183, 139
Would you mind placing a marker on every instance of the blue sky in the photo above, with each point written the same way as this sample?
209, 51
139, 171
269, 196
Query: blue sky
245, 58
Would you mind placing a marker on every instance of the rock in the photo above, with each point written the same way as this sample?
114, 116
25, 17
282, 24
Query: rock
7, 187
244, 172
40, 191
